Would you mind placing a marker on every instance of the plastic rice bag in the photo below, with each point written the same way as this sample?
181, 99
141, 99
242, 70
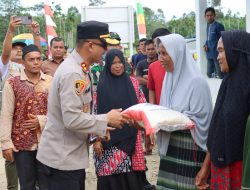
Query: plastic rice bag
155, 118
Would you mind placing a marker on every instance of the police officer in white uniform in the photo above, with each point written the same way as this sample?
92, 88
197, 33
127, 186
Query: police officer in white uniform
63, 150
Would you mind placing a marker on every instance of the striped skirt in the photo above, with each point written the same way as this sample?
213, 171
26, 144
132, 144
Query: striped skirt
182, 162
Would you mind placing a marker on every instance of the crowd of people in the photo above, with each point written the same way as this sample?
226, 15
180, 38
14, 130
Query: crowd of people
54, 109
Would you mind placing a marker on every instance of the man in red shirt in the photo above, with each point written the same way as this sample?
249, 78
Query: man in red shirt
156, 75
156, 72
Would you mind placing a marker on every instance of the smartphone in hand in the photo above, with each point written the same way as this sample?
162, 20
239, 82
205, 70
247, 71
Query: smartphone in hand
26, 20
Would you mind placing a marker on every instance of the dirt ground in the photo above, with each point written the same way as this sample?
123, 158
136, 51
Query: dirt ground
90, 182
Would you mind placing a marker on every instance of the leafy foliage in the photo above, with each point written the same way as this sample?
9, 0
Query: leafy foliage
67, 22
96, 2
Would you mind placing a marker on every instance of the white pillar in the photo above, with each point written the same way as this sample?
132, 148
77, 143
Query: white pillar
131, 32
248, 16
201, 25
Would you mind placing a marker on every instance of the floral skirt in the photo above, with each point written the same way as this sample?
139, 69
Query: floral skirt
227, 178
115, 161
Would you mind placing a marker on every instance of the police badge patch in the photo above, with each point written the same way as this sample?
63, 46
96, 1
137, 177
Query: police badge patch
79, 86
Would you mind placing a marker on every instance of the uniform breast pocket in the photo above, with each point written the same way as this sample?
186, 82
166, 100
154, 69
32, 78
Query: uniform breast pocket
87, 98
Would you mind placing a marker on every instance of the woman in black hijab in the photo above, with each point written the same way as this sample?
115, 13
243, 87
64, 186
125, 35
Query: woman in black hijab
120, 162
227, 128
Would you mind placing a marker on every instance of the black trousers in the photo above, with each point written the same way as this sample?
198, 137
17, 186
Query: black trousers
62, 180
124, 181
26, 165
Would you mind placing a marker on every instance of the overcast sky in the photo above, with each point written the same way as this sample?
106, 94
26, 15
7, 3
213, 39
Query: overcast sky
170, 7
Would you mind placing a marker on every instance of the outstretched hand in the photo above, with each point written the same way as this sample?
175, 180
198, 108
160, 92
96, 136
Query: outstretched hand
116, 118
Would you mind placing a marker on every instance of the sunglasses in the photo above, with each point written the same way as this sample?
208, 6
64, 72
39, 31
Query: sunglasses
103, 45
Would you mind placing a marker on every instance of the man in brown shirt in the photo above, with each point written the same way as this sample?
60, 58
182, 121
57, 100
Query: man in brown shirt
23, 116
57, 49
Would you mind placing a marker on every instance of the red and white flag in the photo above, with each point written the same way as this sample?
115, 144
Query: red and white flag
50, 24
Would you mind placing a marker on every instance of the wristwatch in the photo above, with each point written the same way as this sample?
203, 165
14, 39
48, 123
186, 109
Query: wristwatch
36, 33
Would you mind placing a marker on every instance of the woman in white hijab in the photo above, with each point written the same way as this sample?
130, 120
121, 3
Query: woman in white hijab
184, 90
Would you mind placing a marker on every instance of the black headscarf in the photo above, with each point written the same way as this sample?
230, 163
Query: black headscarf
114, 92
227, 128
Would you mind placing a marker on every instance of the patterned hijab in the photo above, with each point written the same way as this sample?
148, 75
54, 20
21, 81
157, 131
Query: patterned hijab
185, 90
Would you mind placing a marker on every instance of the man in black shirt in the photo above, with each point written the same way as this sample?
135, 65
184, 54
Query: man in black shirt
142, 53
142, 67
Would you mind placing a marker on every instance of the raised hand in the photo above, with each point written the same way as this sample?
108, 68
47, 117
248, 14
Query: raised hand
35, 28
13, 24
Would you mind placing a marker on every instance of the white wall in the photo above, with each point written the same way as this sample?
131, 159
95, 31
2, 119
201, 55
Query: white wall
119, 18
200, 22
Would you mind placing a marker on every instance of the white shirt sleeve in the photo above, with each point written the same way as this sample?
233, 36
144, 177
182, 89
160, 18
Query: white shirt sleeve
4, 69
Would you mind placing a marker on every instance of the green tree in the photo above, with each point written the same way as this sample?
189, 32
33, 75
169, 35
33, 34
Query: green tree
153, 20
96, 2
160, 16
184, 25
72, 19
67, 22
233, 21
39, 17
7, 9
216, 3
149, 20
38, 7
10, 7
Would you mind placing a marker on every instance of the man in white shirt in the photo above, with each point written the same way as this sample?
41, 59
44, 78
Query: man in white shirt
11, 66
11, 59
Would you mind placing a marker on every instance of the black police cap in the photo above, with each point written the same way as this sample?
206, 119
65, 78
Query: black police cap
93, 30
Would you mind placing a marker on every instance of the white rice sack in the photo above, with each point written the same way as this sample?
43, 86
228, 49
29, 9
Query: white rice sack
157, 118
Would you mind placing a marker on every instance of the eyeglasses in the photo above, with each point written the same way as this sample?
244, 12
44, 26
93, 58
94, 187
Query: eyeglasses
103, 45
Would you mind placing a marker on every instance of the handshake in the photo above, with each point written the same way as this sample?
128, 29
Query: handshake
116, 119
